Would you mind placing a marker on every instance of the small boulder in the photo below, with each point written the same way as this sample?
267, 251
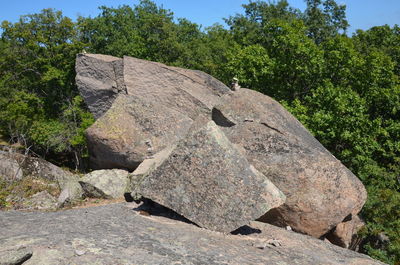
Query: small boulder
10, 170
208, 181
40, 201
71, 193
106, 184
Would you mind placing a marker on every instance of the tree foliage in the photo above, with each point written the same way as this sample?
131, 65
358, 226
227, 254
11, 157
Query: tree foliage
37, 83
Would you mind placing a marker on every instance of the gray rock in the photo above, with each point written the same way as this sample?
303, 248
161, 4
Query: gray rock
144, 170
71, 193
99, 79
15, 257
132, 131
107, 184
115, 234
40, 201
320, 191
10, 170
208, 181
15, 166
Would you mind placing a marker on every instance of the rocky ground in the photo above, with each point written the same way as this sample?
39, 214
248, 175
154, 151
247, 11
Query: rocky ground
122, 234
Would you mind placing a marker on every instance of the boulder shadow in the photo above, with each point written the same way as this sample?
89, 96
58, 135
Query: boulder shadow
246, 230
149, 207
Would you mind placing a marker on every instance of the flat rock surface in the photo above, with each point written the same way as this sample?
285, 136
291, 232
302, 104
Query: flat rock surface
15, 257
117, 234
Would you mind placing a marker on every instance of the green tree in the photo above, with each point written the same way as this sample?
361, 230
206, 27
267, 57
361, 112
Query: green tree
325, 19
248, 28
37, 80
145, 31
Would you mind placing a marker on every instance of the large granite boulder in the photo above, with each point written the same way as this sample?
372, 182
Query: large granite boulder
99, 79
208, 181
133, 130
153, 105
320, 191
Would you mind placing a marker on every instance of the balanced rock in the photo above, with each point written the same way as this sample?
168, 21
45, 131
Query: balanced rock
320, 191
149, 108
207, 180
106, 184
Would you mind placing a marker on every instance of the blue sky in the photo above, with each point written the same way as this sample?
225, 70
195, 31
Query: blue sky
362, 14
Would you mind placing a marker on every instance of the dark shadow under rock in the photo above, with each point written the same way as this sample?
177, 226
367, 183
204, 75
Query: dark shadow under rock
246, 230
153, 208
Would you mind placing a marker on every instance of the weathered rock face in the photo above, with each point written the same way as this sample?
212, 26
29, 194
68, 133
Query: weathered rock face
144, 170
10, 169
186, 91
15, 257
116, 234
320, 191
133, 130
343, 234
15, 166
99, 79
107, 184
40, 201
159, 107
208, 181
